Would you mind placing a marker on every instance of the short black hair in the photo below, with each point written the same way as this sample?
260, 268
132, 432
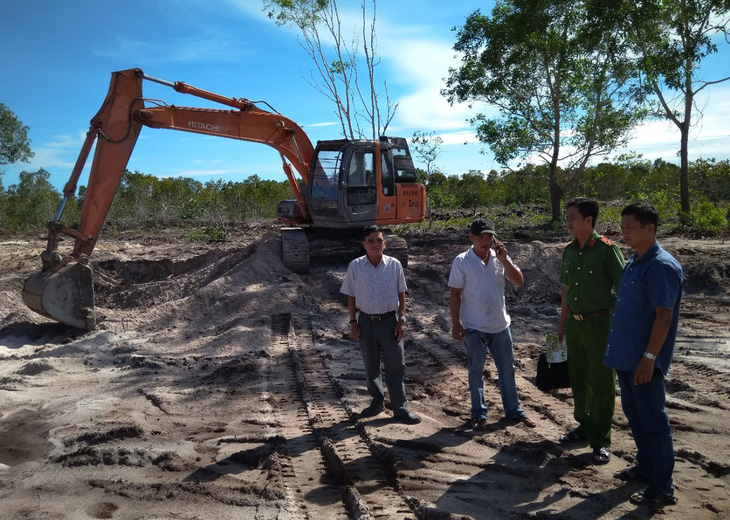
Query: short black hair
644, 212
371, 229
586, 207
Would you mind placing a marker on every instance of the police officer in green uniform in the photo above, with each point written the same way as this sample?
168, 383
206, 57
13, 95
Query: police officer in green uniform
591, 269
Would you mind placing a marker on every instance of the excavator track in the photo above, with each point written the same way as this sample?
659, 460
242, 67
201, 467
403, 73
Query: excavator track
397, 247
302, 249
295, 250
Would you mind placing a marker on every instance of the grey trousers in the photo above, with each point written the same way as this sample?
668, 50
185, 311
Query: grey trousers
378, 338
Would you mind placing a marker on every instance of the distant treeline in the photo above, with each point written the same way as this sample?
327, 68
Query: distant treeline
143, 200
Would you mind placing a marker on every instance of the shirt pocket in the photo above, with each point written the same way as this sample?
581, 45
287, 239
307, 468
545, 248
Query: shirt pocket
634, 292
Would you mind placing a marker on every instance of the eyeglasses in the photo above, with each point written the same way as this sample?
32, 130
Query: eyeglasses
375, 241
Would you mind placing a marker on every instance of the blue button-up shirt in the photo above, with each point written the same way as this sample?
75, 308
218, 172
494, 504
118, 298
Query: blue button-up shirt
650, 281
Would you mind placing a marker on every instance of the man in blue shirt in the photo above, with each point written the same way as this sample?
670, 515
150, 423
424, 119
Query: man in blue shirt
640, 347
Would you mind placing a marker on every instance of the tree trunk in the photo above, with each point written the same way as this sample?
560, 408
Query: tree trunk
556, 192
684, 168
683, 150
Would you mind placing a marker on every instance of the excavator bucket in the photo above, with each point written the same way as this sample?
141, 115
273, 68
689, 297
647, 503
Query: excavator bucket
66, 296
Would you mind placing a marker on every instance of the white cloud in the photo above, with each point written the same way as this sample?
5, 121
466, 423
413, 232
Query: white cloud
317, 125
205, 172
207, 47
58, 153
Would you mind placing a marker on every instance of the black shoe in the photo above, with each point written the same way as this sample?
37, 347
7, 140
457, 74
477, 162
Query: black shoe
571, 437
631, 473
374, 409
479, 425
408, 417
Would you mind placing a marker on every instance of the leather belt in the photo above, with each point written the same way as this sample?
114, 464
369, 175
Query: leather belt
377, 317
590, 315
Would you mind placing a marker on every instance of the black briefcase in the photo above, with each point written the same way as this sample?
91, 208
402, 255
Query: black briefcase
551, 376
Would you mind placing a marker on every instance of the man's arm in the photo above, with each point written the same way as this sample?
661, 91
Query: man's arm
354, 327
615, 263
564, 311
513, 273
659, 330
400, 326
457, 330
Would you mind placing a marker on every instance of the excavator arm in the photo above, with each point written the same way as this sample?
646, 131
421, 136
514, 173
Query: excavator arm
63, 289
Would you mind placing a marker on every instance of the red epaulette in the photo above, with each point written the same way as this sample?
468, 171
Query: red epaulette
607, 241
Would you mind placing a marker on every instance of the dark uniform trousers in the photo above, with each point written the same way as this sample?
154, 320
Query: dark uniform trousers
593, 383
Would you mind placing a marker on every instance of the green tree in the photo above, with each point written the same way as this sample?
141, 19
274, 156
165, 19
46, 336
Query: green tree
471, 190
439, 192
31, 203
711, 179
559, 77
14, 142
673, 38
426, 146
340, 74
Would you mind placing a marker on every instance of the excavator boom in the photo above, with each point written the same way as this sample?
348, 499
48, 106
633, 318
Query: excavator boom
63, 289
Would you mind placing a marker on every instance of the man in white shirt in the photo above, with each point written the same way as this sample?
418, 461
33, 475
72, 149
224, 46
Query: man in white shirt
479, 318
376, 287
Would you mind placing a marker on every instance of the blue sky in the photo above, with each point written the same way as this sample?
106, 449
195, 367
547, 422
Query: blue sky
57, 58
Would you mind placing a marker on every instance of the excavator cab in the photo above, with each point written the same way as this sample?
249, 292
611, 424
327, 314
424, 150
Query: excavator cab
357, 183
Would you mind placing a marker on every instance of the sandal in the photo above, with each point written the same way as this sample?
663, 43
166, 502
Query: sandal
631, 473
570, 437
480, 425
601, 455
651, 497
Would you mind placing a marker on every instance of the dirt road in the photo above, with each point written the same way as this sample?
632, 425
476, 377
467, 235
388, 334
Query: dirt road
221, 385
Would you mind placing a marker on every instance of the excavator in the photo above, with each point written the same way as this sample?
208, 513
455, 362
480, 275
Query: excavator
343, 186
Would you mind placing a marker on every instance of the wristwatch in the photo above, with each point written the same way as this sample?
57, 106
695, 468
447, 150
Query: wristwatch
402, 319
649, 355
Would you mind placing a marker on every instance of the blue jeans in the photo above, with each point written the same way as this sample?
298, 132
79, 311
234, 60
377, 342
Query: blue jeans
643, 406
377, 339
500, 348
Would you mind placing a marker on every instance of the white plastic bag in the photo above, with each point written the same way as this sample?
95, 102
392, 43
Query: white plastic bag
555, 352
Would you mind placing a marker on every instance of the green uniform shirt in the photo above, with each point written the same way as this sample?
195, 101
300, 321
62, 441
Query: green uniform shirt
591, 274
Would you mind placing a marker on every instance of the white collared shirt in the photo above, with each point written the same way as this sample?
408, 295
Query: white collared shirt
482, 297
375, 288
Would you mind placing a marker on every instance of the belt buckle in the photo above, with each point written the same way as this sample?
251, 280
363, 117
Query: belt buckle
578, 317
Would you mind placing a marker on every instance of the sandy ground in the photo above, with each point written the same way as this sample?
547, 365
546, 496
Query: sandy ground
220, 385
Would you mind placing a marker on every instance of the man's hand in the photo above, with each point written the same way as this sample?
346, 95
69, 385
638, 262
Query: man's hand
457, 331
644, 371
400, 330
500, 250
355, 331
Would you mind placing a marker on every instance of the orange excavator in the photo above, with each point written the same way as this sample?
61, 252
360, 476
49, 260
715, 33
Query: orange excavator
345, 184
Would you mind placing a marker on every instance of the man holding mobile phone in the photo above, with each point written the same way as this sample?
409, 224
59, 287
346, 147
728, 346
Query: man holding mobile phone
479, 318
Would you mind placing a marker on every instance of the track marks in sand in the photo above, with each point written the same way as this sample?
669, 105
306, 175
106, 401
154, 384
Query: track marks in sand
326, 444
